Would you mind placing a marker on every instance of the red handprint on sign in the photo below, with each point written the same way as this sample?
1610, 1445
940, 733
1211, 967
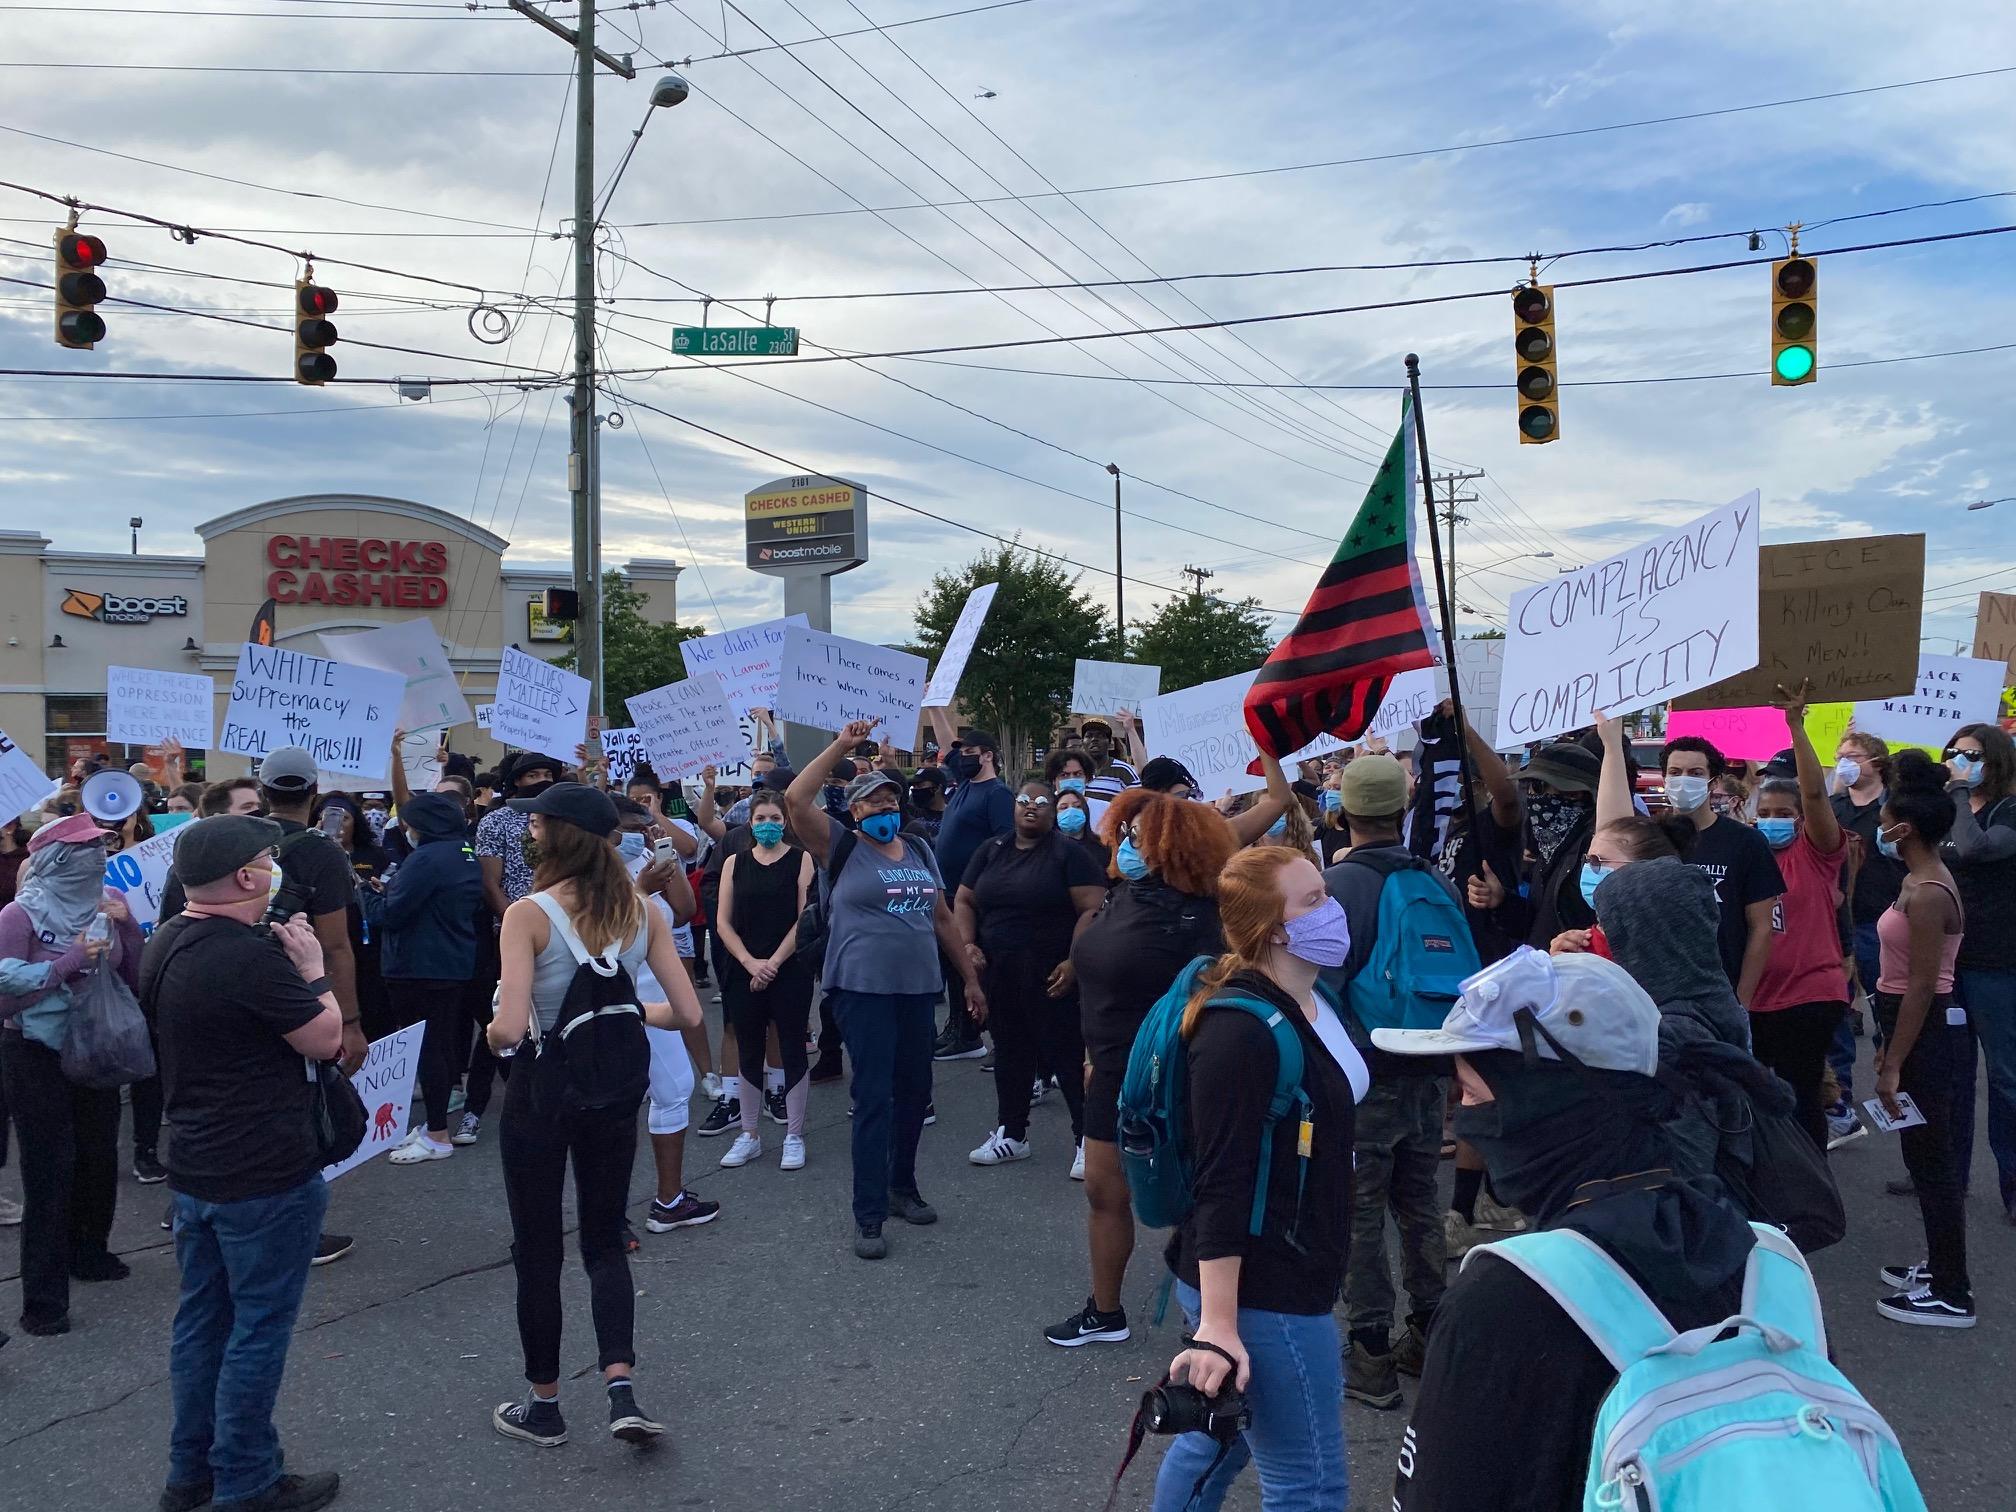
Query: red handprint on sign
382, 1124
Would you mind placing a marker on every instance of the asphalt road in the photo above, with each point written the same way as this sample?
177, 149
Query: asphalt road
793, 1375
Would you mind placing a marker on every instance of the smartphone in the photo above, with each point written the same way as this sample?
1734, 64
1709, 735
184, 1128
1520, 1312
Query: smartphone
662, 849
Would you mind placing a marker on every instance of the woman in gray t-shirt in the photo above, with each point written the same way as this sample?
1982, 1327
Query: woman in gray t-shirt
887, 919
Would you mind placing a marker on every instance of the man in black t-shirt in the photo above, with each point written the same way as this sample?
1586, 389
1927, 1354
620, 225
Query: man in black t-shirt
240, 1012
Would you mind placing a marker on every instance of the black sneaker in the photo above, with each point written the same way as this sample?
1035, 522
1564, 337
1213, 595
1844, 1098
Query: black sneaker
147, 1170
1906, 1277
958, 1049
625, 1421
631, 1243
688, 1212
773, 1104
727, 1115
168, 1219
1921, 1307
332, 1247
911, 1208
103, 1266
868, 1241
1088, 1325
295, 1493
186, 1498
532, 1420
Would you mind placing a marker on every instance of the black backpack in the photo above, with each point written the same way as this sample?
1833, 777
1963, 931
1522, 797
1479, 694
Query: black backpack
815, 923
596, 1055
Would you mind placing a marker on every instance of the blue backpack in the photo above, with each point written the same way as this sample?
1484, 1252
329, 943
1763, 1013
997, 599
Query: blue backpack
1421, 948
1702, 1423
1154, 1102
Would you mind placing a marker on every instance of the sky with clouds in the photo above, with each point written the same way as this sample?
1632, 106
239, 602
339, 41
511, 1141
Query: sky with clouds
788, 173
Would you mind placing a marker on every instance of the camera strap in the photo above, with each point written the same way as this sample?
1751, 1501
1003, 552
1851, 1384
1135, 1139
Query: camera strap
1138, 1429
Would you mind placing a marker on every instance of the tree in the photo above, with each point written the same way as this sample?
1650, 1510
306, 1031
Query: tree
637, 654
1018, 679
1195, 639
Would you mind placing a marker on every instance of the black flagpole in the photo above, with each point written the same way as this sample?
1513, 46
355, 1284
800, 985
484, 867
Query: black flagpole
1445, 596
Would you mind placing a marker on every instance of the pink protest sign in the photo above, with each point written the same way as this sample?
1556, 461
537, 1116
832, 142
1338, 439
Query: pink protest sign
1758, 734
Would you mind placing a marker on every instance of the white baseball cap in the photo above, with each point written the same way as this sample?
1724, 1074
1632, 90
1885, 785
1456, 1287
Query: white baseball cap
1592, 1006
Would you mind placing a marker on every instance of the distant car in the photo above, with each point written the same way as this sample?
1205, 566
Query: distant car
1651, 783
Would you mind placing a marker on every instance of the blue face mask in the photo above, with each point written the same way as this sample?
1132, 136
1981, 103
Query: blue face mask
1778, 833
768, 832
882, 827
1887, 846
1967, 769
1070, 784
1129, 860
1071, 821
1330, 801
630, 845
1278, 829
1591, 876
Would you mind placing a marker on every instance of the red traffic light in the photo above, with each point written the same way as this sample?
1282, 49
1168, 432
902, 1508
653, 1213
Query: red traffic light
81, 251
562, 605
317, 300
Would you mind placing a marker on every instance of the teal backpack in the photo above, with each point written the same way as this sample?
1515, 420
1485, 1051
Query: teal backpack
1421, 948
1702, 1423
1153, 1103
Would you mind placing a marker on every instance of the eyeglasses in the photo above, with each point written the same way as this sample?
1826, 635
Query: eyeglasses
1031, 800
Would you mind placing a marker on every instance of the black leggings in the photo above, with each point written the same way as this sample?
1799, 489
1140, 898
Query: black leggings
443, 1006
535, 1152
787, 1003
1031, 1028
1929, 1076
1793, 1042
69, 1138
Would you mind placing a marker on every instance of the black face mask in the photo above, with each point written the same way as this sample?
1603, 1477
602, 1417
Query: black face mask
532, 789
963, 766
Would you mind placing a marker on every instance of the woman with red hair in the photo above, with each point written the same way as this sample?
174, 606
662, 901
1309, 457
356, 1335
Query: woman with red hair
1160, 916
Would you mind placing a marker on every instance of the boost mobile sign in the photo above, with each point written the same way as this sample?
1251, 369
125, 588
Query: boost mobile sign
117, 609
806, 526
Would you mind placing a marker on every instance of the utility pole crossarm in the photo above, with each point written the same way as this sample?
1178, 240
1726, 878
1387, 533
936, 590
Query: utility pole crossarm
615, 65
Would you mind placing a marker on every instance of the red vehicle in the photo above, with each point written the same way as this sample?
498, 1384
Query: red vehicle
1651, 783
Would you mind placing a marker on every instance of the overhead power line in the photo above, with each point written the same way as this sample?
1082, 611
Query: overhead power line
859, 31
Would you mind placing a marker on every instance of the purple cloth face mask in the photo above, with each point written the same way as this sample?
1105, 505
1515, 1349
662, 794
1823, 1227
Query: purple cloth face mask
1321, 936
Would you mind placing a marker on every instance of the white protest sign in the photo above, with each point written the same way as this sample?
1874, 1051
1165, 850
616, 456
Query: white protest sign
143, 706
483, 715
688, 727
1952, 691
738, 772
539, 707
621, 751
1410, 698
1103, 687
749, 661
141, 873
419, 755
385, 1083
944, 684
829, 681
1480, 670
1664, 618
22, 782
1205, 728
341, 715
411, 649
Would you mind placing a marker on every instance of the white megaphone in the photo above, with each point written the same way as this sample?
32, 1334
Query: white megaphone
112, 796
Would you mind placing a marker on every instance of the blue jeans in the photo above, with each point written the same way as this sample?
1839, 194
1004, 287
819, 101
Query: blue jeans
1990, 1000
244, 1267
1296, 1440
888, 1037
1841, 1054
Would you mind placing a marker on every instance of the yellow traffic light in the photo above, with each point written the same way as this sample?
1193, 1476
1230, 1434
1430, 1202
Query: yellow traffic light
1533, 347
78, 290
1795, 321
313, 331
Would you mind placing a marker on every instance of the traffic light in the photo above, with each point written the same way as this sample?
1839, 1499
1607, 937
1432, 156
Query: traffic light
563, 605
1533, 346
78, 289
313, 304
1795, 322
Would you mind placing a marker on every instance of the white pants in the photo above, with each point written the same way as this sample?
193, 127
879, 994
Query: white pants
671, 1081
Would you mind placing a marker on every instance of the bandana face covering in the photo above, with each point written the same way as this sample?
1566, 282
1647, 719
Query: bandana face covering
1553, 817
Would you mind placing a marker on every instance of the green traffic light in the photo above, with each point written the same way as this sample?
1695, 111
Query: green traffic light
1795, 363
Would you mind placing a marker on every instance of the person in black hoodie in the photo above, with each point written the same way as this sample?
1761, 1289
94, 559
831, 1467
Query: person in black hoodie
1583, 1147
430, 953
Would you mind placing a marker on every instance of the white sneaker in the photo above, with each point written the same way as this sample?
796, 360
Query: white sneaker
999, 1149
1038, 1092
10, 1212
745, 1149
711, 1085
794, 1153
466, 1131
414, 1151
1078, 1163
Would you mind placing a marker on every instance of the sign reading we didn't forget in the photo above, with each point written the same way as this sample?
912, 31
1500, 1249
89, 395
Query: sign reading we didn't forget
1636, 629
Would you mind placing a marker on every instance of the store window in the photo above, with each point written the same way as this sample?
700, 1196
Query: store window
75, 723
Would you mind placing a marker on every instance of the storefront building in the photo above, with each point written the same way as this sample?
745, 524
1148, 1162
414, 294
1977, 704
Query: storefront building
334, 563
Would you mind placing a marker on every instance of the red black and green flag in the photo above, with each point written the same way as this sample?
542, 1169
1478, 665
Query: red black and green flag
1366, 623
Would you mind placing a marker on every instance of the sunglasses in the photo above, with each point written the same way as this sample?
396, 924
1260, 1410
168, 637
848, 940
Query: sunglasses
1031, 800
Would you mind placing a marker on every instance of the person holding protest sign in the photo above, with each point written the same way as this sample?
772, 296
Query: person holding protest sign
239, 1007
1861, 770
1109, 776
1981, 766
887, 922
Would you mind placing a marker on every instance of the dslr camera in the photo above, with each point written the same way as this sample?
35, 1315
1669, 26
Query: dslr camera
1173, 1408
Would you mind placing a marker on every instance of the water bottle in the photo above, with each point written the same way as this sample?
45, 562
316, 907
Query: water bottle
99, 929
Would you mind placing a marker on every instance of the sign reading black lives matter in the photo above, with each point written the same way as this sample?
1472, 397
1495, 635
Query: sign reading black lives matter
806, 526
1666, 617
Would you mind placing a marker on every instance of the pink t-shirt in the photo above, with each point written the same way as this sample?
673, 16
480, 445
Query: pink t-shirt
1805, 963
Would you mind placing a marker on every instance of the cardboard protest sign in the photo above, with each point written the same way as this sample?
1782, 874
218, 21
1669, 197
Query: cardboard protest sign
621, 751
749, 661
143, 706
1205, 728
385, 1083
1951, 691
539, 707
1842, 615
1995, 632
340, 714
687, 727
22, 783
830, 681
410, 648
141, 873
1646, 625
1761, 733
944, 685
1107, 688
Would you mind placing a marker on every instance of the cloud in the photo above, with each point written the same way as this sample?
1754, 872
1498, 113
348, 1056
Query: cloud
1692, 213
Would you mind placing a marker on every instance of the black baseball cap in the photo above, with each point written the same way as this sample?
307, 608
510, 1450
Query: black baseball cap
216, 847
575, 802
1161, 773
980, 738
